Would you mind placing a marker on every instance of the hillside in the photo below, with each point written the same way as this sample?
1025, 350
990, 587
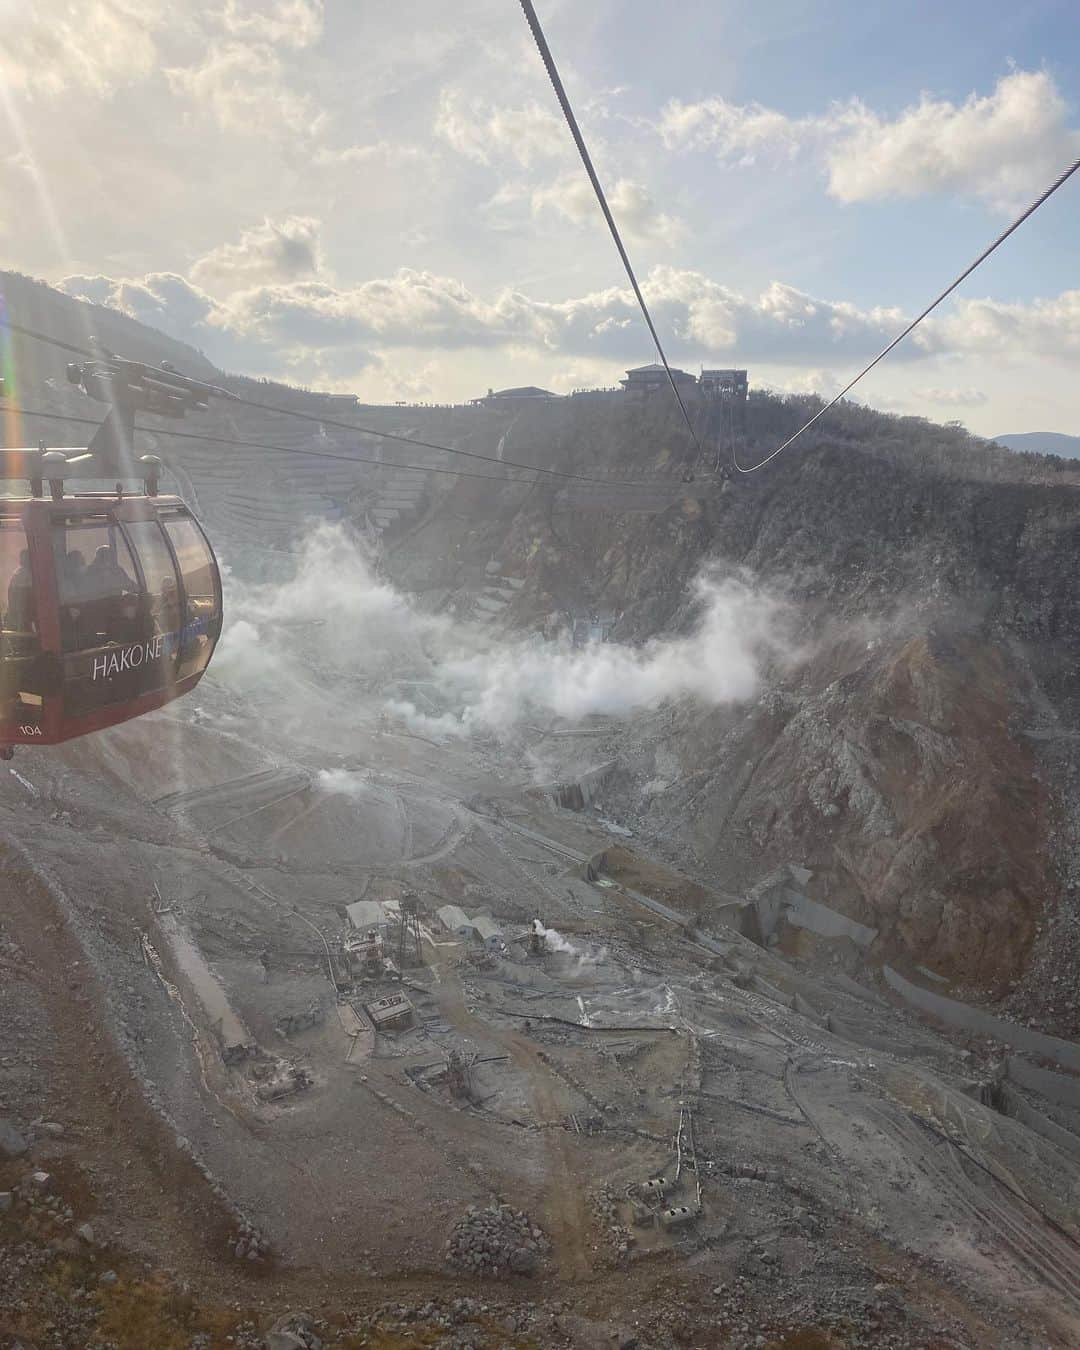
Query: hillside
652, 1067
917, 751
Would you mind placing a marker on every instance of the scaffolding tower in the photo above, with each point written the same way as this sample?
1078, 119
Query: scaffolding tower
409, 942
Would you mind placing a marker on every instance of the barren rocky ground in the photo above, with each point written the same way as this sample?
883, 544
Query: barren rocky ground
694, 1107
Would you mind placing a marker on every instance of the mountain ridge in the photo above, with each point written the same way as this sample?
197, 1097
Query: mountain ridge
1042, 443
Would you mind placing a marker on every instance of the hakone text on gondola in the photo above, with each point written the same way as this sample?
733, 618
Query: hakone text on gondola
157, 648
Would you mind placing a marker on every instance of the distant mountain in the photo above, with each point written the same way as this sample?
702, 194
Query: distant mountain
40, 306
1042, 443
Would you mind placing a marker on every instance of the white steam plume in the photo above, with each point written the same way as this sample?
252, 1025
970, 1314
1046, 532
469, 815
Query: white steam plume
717, 663
555, 942
342, 783
336, 633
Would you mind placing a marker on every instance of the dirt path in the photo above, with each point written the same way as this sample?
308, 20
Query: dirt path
566, 1214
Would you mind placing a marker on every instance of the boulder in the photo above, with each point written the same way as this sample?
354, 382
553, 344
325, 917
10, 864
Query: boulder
294, 1331
523, 1262
12, 1143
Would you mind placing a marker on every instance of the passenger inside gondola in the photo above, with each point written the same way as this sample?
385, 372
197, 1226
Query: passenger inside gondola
106, 577
19, 645
113, 598
99, 601
75, 574
167, 616
21, 611
72, 580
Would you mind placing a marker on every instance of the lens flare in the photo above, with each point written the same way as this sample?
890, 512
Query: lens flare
13, 434
12, 421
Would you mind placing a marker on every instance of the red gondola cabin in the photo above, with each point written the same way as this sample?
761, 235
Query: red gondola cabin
110, 604
111, 607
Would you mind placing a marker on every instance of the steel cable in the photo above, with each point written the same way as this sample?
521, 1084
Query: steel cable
753, 468
332, 422
575, 131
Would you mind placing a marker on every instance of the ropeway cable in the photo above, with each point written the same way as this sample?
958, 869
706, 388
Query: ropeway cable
310, 453
320, 420
753, 468
260, 445
575, 131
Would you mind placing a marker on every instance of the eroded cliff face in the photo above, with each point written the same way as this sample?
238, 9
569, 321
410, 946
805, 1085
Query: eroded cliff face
897, 780
913, 746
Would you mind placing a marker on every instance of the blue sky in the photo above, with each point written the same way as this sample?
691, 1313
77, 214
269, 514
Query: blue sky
382, 199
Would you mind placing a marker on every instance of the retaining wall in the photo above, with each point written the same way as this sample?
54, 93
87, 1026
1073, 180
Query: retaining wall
979, 1023
1041, 1124
579, 792
803, 912
1055, 1087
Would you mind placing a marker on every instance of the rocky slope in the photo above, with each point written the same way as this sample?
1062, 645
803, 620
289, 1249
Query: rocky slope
915, 750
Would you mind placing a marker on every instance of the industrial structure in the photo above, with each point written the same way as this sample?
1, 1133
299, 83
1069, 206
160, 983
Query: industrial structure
487, 931
392, 1013
454, 919
643, 381
409, 948
728, 384
593, 626
482, 928
513, 400
364, 956
373, 916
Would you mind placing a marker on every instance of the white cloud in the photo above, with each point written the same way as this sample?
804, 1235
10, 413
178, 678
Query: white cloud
422, 310
635, 212
162, 299
415, 383
94, 47
999, 147
295, 23
478, 129
736, 132
417, 335
244, 88
410, 308
275, 251
1044, 328
482, 131
823, 383
383, 152
314, 328
506, 208
702, 318
951, 398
